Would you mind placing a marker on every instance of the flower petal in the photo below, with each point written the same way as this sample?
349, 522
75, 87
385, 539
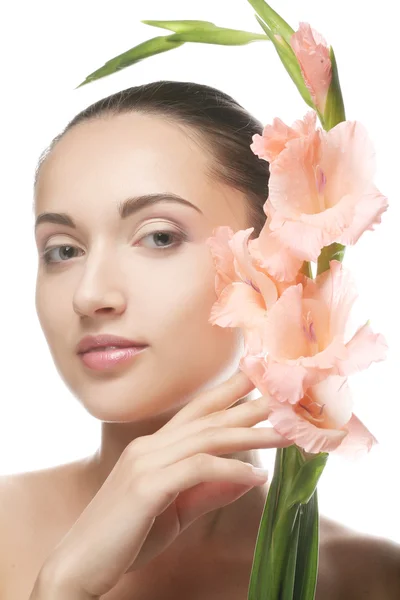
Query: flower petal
222, 256
244, 264
283, 328
282, 381
334, 396
336, 290
323, 432
367, 213
238, 305
358, 441
282, 264
312, 53
292, 183
275, 137
321, 190
301, 432
364, 348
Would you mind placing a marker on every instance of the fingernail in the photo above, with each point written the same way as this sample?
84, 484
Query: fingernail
260, 472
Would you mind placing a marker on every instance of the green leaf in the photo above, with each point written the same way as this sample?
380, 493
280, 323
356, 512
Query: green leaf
288, 582
132, 56
306, 480
220, 35
275, 565
181, 26
186, 31
293, 461
307, 551
290, 63
272, 19
258, 583
280, 546
215, 34
276, 528
334, 251
334, 112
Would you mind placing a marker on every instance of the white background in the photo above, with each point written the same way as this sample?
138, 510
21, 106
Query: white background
47, 49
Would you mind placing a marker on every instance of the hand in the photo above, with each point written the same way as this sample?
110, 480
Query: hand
162, 483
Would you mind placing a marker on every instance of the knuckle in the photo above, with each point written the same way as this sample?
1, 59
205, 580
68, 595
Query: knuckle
134, 458
258, 401
211, 433
261, 402
201, 460
136, 447
260, 405
132, 449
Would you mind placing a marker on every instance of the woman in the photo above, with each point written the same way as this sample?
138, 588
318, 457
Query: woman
166, 508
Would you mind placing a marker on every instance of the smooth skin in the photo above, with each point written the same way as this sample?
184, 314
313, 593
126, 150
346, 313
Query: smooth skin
169, 478
118, 278
177, 469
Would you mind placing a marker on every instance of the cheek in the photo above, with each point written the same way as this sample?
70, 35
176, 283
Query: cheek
178, 314
53, 311
42, 308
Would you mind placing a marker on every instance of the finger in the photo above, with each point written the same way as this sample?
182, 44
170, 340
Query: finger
245, 415
223, 396
185, 474
214, 441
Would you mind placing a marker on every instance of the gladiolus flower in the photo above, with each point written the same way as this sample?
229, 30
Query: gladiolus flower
275, 137
245, 290
303, 336
321, 189
272, 256
312, 53
321, 421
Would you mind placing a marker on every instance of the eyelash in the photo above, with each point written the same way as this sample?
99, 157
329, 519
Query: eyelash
180, 237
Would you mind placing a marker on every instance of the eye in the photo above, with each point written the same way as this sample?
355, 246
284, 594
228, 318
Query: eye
160, 235
47, 253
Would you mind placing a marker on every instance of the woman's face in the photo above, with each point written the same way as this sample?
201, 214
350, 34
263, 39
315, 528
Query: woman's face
123, 279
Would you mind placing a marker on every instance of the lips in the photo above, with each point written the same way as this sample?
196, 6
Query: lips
103, 341
106, 360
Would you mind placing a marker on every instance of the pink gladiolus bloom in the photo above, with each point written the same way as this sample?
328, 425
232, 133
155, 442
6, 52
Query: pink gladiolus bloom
304, 336
275, 137
312, 53
244, 289
244, 293
321, 421
321, 190
273, 257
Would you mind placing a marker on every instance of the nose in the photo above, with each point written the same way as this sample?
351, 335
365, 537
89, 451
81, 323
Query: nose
100, 291
90, 305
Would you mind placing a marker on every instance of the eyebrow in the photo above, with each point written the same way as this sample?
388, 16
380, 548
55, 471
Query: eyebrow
126, 208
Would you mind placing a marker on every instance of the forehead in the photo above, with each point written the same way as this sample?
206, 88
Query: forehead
108, 159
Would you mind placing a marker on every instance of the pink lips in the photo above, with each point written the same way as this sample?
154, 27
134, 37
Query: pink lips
103, 340
100, 360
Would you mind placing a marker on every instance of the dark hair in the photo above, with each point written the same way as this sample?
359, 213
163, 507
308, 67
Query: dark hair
217, 121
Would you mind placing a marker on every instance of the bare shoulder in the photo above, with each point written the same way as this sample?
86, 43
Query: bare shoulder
34, 492
14, 498
357, 565
36, 509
